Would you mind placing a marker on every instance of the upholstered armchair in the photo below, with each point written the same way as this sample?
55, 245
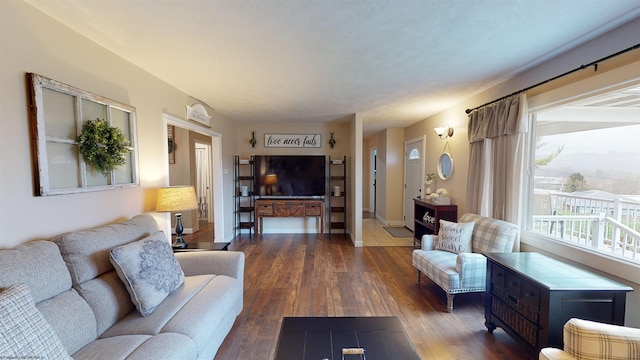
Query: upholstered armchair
453, 258
590, 340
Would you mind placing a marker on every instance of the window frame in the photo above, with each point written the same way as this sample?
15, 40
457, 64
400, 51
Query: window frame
612, 80
36, 85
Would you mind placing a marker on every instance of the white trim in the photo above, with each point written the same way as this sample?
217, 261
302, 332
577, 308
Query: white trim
216, 168
372, 177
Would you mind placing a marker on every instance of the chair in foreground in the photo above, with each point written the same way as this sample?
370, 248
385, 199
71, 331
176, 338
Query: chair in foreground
590, 340
453, 259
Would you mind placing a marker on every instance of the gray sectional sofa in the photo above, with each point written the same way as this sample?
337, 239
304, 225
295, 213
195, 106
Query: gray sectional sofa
75, 288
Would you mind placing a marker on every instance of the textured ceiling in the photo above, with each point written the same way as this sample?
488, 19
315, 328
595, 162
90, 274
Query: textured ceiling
395, 62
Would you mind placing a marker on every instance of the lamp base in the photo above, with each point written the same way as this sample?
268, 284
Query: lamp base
179, 243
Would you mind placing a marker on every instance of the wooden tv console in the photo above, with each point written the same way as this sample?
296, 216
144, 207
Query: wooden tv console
294, 207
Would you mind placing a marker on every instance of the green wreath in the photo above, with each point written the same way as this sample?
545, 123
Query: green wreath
103, 147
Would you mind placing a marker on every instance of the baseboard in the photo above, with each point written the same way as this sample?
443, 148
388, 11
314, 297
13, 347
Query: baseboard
389, 223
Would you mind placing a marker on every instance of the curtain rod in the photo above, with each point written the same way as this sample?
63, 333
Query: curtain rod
582, 67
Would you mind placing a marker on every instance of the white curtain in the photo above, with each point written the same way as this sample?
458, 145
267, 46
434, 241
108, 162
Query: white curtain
203, 181
497, 168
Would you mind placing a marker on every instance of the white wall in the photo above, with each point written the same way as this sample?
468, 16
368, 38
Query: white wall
33, 42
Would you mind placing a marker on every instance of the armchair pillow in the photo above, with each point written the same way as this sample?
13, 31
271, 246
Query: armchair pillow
455, 237
149, 270
24, 331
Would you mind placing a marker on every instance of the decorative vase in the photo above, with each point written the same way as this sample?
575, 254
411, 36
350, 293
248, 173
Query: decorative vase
427, 191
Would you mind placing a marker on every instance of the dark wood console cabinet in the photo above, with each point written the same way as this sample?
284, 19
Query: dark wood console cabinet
435, 213
532, 296
288, 208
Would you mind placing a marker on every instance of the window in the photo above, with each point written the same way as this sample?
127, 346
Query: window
57, 112
586, 175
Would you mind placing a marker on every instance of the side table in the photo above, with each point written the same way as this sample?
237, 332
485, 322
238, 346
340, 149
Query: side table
204, 246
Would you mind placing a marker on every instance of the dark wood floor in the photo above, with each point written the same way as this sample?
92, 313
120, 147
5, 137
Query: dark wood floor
313, 275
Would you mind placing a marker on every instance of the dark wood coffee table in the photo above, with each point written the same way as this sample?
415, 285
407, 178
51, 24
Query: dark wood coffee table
320, 338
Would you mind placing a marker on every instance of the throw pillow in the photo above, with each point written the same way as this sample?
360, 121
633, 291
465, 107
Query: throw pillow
24, 332
149, 270
455, 237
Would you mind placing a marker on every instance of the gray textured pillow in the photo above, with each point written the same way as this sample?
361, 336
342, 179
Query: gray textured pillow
149, 270
24, 332
455, 237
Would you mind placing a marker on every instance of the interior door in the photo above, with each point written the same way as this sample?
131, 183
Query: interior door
413, 170
204, 177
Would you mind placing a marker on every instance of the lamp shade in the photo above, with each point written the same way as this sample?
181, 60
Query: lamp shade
444, 131
440, 130
271, 179
176, 198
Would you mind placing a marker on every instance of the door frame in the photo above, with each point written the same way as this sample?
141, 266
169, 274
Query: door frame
373, 155
422, 139
216, 168
209, 192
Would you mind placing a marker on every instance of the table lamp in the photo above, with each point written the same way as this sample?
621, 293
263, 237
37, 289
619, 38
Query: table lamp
177, 198
269, 181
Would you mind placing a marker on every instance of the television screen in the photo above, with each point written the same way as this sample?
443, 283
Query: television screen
289, 175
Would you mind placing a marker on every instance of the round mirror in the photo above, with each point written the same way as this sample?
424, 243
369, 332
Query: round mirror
445, 166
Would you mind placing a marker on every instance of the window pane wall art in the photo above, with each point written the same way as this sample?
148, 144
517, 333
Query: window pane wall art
58, 114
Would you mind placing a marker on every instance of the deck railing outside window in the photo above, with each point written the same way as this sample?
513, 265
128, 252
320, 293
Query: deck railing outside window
610, 226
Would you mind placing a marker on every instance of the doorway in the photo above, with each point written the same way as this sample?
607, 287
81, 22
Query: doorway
212, 178
413, 175
203, 181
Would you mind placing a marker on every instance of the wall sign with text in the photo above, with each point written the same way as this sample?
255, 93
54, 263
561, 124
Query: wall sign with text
293, 140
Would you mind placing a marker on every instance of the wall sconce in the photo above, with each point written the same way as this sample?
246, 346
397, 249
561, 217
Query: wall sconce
444, 132
253, 141
332, 141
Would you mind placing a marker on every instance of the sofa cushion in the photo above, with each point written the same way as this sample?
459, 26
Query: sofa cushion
72, 319
24, 332
439, 266
201, 301
86, 252
135, 323
168, 346
108, 298
219, 302
149, 271
37, 264
455, 237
